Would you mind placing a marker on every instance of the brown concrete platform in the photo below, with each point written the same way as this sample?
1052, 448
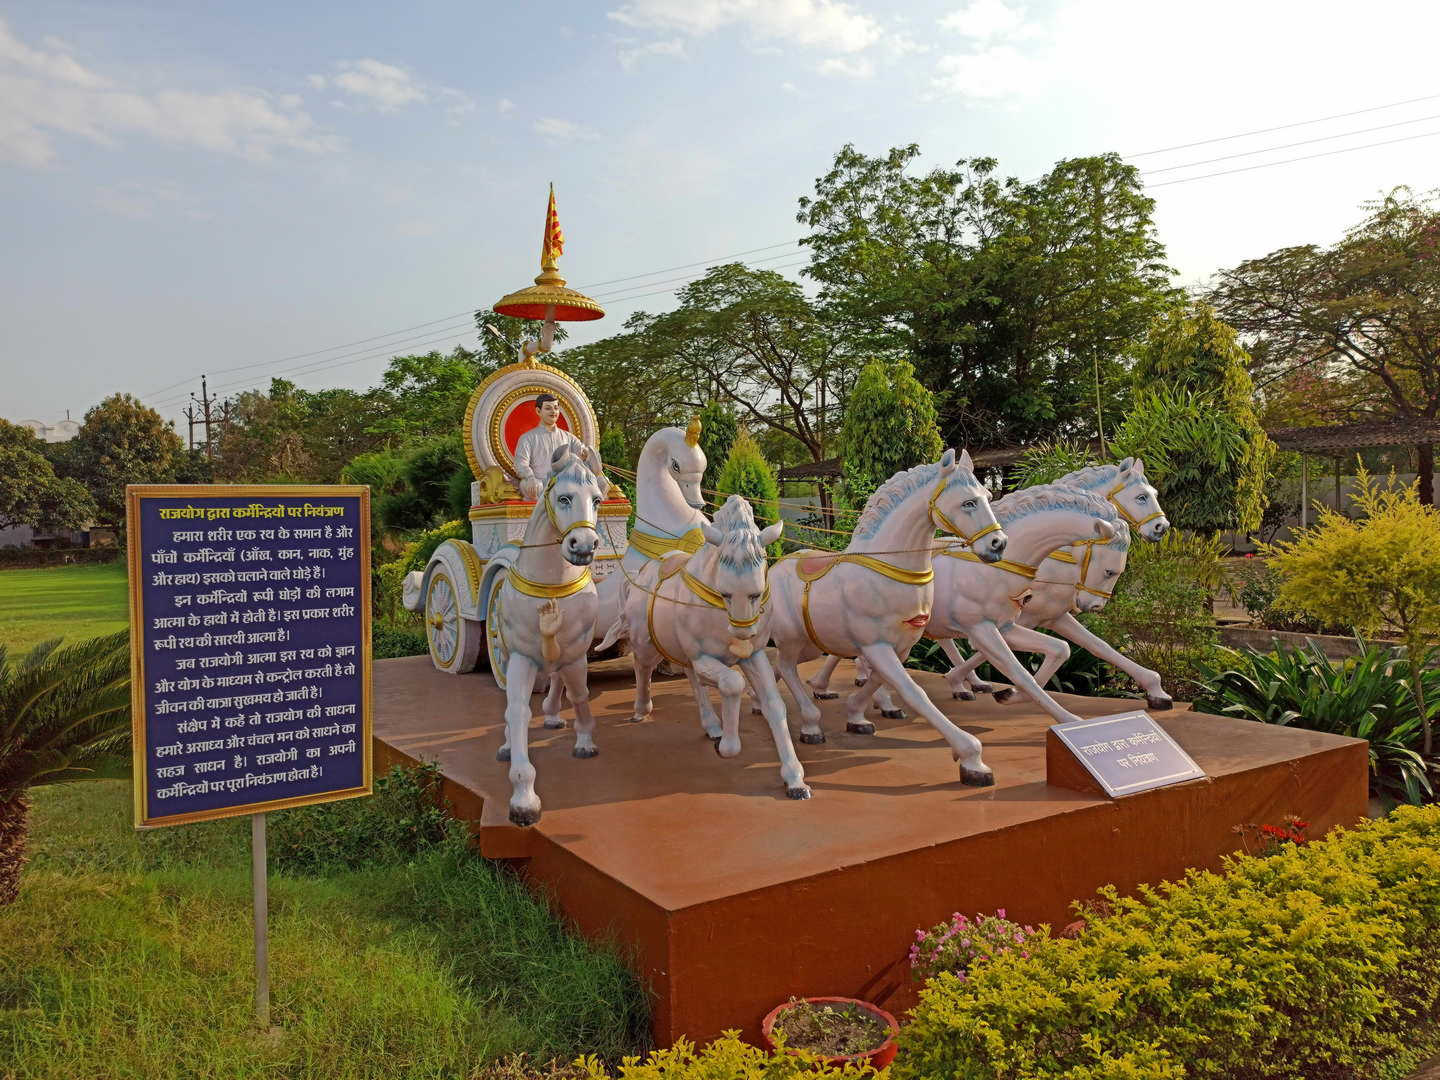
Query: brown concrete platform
733, 897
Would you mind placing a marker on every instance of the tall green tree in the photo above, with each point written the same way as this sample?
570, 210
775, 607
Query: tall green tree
747, 473
425, 395
1366, 309
290, 435
889, 425
1194, 423
32, 494
1016, 302
121, 442
718, 431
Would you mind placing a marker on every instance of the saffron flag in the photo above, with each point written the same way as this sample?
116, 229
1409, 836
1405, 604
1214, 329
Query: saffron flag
554, 243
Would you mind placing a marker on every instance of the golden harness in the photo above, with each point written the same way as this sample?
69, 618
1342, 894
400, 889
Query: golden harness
522, 584
657, 547
650, 616
550, 513
1129, 517
714, 599
809, 577
940, 521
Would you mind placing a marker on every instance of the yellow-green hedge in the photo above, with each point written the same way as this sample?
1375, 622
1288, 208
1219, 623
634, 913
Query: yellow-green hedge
727, 1058
1322, 962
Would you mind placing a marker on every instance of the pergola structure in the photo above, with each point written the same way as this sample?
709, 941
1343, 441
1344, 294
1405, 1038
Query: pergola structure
1329, 440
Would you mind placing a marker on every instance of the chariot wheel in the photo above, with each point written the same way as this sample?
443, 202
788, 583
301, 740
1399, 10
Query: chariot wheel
495, 647
454, 640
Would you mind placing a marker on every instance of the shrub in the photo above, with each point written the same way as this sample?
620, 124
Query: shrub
1321, 962
418, 553
1367, 697
718, 430
1382, 570
747, 473
727, 1058
404, 817
388, 642
889, 425
958, 945
1161, 614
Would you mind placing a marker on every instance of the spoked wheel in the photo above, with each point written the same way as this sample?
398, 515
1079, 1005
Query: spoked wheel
454, 640
495, 647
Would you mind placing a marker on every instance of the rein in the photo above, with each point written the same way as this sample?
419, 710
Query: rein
944, 524
1130, 518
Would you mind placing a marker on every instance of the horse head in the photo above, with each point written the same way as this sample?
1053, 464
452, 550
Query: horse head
737, 570
1137, 501
674, 453
960, 505
1100, 567
572, 499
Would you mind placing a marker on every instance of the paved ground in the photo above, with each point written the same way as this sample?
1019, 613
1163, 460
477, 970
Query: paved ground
1429, 1071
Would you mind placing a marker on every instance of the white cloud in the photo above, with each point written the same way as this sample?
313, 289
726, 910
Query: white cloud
821, 24
987, 19
629, 55
997, 72
789, 88
385, 86
505, 105
47, 93
142, 201
564, 130
858, 67
319, 82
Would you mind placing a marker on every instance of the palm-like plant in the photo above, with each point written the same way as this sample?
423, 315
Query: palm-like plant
62, 711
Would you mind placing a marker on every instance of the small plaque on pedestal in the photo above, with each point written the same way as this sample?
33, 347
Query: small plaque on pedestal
1123, 754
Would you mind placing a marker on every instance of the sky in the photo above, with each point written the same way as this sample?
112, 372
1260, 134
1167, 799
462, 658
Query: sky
246, 190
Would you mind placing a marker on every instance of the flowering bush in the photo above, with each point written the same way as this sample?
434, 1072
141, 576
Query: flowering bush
1273, 839
956, 946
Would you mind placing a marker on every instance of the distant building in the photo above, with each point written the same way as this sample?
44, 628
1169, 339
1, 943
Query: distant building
59, 431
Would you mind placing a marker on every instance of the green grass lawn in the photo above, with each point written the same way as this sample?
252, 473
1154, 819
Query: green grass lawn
73, 602
129, 955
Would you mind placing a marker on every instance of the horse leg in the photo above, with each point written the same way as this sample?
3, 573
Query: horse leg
761, 677
964, 747
708, 720
1055, 651
520, 678
644, 670
987, 637
958, 677
810, 730
1148, 681
731, 685
554, 700
819, 683
577, 686
859, 700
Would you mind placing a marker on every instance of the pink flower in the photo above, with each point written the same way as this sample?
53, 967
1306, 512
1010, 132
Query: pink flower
1001, 912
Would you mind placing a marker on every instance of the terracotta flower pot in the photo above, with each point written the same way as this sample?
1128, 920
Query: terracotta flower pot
879, 1057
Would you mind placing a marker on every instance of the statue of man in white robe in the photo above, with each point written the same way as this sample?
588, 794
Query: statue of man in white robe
536, 448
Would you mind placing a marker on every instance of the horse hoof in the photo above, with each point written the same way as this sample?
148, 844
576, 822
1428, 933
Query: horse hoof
963, 695
861, 682
755, 710
893, 714
503, 754
976, 777
798, 792
812, 739
585, 751
1160, 704
638, 719
860, 727
982, 687
523, 816
1004, 694
825, 695
554, 723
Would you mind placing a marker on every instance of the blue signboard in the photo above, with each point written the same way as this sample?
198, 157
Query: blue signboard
250, 648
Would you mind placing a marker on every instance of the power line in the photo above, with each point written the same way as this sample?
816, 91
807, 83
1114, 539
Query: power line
1283, 127
1303, 157
687, 266
1289, 146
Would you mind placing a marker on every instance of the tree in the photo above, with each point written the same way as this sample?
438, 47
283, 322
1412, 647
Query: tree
747, 473
889, 425
32, 494
1366, 310
1016, 302
424, 395
1380, 570
1193, 408
62, 712
718, 430
428, 486
121, 442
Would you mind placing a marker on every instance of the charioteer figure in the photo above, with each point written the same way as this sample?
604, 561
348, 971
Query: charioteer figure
535, 450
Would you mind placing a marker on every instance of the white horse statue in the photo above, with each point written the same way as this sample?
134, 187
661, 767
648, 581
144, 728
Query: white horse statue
708, 613
1124, 484
979, 601
1079, 579
874, 598
668, 515
545, 616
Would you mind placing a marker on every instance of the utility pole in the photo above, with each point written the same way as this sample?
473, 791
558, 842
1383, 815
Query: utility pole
190, 419
205, 417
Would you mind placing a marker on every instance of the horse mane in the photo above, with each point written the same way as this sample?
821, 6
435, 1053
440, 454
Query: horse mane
575, 469
895, 491
1090, 477
740, 547
1042, 497
1121, 542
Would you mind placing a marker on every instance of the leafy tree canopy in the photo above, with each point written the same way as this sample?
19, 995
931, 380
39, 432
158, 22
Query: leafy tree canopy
1016, 302
718, 431
121, 442
889, 425
32, 494
747, 473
